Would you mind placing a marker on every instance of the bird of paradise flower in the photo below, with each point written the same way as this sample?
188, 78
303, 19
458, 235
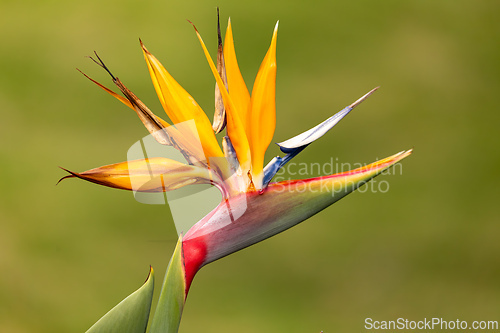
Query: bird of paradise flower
237, 170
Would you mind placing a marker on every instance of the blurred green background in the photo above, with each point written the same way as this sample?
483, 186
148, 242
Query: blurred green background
426, 248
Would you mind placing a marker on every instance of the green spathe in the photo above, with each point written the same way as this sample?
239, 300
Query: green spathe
130, 315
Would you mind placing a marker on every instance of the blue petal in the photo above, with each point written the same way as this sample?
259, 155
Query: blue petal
277, 163
298, 143
314, 133
271, 169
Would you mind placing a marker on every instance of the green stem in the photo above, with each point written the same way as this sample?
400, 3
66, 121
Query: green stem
167, 317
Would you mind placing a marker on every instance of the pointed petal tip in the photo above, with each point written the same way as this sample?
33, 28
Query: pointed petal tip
88, 77
404, 153
219, 35
144, 49
394, 158
193, 25
362, 98
143, 46
102, 65
275, 31
63, 178
71, 175
150, 274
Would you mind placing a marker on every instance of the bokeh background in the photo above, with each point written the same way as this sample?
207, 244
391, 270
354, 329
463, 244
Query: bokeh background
427, 248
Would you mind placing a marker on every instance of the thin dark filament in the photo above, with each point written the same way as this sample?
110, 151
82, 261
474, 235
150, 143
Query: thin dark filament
101, 64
